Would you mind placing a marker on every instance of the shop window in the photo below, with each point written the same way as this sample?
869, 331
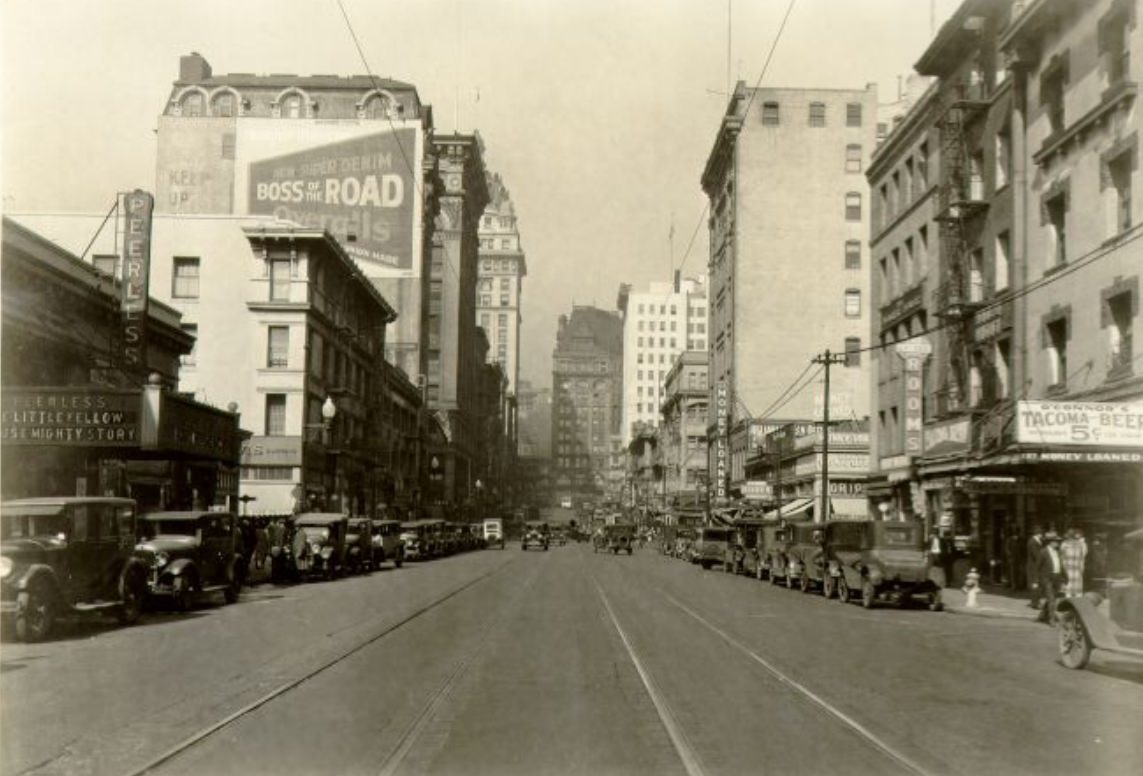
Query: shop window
184, 284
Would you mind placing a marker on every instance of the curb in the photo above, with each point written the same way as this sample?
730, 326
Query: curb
985, 611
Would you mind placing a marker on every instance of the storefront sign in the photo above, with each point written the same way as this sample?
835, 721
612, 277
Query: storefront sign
361, 190
1079, 423
757, 489
836, 439
186, 426
66, 417
913, 353
845, 488
1010, 486
137, 207
947, 437
722, 451
1090, 456
272, 451
838, 462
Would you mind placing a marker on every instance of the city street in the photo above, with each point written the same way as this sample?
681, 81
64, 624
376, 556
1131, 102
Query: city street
566, 661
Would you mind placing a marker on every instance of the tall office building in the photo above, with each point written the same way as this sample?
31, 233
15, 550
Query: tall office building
658, 325
587, 393
500, 283
788, 265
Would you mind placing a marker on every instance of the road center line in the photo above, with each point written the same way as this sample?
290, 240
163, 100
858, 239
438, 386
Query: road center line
837, 713
666, 716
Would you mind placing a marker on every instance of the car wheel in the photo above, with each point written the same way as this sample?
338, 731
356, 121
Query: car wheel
230, 593
134, 591
828, 585
181, 592
935, 602
842, 590
35, 613
867, 594
789, 580
1075, 646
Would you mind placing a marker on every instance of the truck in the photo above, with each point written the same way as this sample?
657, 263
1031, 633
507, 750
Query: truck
493, 532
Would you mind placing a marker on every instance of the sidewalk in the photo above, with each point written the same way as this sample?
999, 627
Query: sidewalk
996, 602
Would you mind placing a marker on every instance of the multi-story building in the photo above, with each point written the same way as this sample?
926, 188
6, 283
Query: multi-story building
587, 392
682, 434
788, 265
534, 446
658, 325
502, 270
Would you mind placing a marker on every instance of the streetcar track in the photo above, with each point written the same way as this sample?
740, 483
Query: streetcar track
208, 731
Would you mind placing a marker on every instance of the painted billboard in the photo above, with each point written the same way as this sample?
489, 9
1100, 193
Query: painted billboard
361, 189
1079, 423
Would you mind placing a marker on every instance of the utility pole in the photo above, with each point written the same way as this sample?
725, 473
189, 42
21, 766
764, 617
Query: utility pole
826, 360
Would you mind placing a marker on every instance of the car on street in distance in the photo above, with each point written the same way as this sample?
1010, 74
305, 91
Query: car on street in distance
536, 534
415, 538
777, 538
880, 560
387, 543
67, 555
493, 528
711, 546
190, 553
319, 544
619, 537
744, 548
359, 545
806, 557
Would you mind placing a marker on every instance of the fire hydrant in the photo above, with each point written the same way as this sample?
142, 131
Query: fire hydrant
971, 588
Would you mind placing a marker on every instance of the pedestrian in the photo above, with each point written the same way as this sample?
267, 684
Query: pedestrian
1032, 561
948, 554
1073, 551
935, 560
1013, 545
1051, 576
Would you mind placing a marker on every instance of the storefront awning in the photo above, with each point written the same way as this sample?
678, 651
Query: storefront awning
798, 509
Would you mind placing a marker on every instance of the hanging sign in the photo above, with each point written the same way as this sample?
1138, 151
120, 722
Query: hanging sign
138, 206
913, 353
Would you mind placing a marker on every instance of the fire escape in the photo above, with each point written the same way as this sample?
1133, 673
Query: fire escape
961, 205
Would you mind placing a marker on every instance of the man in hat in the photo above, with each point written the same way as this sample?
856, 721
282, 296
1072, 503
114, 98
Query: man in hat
1032, 559
1051, 576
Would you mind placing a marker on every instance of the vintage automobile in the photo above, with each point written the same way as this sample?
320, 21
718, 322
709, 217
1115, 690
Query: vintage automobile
493, 532
414, 537
387, 543
777, 539
319, 544
684, 543
190, 554
536, 534
280, 537
711, 547
359, 545
1084, 628
805, 558
880, 561
745, 548
619, 537
65, 555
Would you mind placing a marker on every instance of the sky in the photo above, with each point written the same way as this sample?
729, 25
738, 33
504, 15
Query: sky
598, 114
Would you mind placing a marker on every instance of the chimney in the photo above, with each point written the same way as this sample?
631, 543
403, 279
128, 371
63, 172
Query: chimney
193, 68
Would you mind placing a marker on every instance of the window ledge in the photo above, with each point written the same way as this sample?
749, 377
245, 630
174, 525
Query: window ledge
1119, 92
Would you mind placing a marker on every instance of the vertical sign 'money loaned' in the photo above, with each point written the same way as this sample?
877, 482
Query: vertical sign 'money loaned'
138, 206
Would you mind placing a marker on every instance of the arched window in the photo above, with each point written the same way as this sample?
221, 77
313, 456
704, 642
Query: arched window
224, 104
192, 104
292, 106
377, 107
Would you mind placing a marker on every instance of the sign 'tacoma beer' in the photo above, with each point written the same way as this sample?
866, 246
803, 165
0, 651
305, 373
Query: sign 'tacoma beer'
361, 190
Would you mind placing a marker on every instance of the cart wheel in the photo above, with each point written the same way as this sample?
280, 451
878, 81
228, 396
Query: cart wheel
867, 594
1075, 646
827, 586
842, 590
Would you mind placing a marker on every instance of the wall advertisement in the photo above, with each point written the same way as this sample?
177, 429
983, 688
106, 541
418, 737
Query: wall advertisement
722, 443
137, 209
1101, 424
914, 353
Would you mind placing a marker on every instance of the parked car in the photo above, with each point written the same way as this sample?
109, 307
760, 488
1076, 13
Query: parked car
190, 554
777, 539
319, 544
387, 542
359, 545
414, 537
280, 536
619, 537
68, 554
805, 559
745, 548
493, 528
712, 546
1083, 628
881, 561
536, 534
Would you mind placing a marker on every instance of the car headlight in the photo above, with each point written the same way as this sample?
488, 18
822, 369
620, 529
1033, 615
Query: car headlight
5, 567
315, 547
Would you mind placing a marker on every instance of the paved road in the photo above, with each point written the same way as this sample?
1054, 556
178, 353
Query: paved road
562, 662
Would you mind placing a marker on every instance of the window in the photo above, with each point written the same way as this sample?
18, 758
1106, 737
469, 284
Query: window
275, 414
279, 280
853, 114
185, 281
770, 116
228, 141
853, 254
1003, 157
1119, 175
976, 380
1057, 347
292, 107
278, 347
192, 104
1052, 81
1119, 313
922, 251
1002, 261
976, 276
640, 342
886, 280
1055, 213
189, 358
853, 351
817, 114
853, 206
1003, 367
852, 303
224, 105
105, 265
912, 191
1114, 40
923, 166
853, 157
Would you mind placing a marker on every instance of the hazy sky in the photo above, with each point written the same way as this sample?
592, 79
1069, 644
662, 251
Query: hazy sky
599, 114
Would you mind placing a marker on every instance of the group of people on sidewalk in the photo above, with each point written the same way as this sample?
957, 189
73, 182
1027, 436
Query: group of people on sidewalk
1055, 567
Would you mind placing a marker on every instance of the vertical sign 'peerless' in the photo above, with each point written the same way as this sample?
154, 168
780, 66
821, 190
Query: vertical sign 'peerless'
722, 417
914, 353
138, 206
